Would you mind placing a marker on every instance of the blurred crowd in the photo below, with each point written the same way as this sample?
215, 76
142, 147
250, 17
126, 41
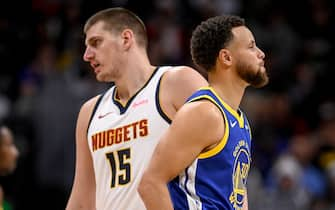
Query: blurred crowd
43, 82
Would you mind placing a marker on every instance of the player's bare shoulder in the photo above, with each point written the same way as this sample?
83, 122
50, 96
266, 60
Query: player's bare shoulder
177, 84
207, 120
180, 82
182, 75
86, 112
88, 106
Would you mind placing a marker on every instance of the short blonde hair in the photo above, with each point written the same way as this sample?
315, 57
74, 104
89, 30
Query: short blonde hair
116, 20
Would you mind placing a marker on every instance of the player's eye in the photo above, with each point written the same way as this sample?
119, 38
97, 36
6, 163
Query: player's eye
95, 42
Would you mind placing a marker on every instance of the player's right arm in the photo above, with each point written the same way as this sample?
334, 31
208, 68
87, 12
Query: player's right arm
83, 189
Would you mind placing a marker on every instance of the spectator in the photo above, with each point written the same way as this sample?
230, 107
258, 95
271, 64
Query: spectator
8, 159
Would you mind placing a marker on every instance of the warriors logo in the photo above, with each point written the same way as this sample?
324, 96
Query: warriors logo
240, 174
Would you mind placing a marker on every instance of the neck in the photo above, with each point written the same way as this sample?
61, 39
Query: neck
229, 89
134, 75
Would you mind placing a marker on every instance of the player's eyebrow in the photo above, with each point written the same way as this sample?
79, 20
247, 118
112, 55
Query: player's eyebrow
90, 40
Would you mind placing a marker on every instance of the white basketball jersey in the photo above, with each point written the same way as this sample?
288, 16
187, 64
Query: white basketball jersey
121, 139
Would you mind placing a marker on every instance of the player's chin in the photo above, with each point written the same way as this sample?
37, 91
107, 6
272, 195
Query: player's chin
104, 79
100, 77
262, 69
260, 80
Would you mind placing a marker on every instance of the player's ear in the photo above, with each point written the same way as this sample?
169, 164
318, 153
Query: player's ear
127, 36
225, 57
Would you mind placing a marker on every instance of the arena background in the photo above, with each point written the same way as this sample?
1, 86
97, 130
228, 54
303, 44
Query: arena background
43, 82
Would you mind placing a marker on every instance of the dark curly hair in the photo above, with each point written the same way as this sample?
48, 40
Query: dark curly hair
210, 37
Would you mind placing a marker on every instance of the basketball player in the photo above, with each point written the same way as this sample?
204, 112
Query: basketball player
204, 157
118, 130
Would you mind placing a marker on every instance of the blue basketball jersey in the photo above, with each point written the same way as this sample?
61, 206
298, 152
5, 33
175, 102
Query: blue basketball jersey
217, 178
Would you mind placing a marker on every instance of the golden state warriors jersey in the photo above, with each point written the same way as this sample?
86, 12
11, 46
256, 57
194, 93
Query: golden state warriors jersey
217, 178
122, 138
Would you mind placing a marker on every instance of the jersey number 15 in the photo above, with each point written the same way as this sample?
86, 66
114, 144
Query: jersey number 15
120, 167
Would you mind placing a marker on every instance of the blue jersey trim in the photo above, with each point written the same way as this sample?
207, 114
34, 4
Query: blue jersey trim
158, 105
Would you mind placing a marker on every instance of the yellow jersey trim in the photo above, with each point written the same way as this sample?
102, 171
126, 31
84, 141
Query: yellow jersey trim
224, 139
239, 118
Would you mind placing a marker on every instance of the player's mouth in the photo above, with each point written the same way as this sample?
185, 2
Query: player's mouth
95, 66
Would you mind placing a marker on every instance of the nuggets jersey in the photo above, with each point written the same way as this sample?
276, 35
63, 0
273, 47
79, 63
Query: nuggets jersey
217, 178
121, 138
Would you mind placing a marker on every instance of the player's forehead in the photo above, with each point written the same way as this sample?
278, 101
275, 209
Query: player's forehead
95, 31
243, 34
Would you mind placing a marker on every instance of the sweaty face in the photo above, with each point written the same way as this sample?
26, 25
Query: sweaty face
8, 152
102, 52
250, 59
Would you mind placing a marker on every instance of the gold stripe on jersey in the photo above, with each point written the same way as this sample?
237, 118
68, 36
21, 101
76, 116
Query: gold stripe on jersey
224, 139
239, 118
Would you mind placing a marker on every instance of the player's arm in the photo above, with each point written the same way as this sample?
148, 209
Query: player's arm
83, 190
196, 127
177, 85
